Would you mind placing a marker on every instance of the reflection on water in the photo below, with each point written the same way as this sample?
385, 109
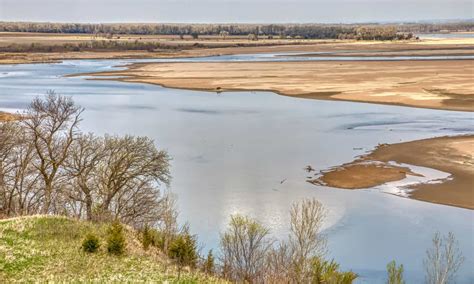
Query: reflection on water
231, 152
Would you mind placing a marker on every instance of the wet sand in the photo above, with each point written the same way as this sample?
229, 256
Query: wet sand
436, 84
453, 155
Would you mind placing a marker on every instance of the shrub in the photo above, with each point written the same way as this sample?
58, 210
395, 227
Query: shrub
209, 263
116, 239
183, 250
395, 274
328, 272
147, 237
91, 243
152, 237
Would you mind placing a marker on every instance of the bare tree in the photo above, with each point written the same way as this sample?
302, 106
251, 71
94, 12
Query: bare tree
306, 241
18, 178
47, 165
278, 264
52, 126
292, 261
244, 247
82, 166
443, 259
132, 167
168, 218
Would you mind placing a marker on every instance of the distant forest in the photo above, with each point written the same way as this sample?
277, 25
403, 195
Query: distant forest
309, 31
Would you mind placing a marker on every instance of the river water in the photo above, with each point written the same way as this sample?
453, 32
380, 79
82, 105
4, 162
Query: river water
244, 152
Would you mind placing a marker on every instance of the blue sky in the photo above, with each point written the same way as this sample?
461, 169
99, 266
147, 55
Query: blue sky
236, 11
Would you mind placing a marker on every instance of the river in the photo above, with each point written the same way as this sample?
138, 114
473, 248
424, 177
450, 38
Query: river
244, 152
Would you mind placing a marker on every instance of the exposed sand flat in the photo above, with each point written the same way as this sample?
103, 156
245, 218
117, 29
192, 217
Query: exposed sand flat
452, 155
433, 84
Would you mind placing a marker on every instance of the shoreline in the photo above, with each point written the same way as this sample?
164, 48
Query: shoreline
431, 84
216, 48
449, 154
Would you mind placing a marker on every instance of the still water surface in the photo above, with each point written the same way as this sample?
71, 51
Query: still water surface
232, 151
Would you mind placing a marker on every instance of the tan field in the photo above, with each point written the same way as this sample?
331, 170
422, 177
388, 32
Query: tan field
452, 155
427, 84
4, 116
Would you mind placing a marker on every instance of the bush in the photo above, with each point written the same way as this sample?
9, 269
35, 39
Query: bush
395, 274
152, 237
208, 266
147, 237
116, 239
183, 250
328, 272
91, 243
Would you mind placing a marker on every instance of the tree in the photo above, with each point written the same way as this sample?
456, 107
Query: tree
395, 274
147, 237
129, 178
244, 246
305, 241
209, 264
19, 192
183, 250
47, 165
116, 239
278, 264
443, 259
87, 152
52, 126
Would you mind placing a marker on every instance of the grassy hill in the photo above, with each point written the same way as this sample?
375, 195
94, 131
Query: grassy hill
48, 248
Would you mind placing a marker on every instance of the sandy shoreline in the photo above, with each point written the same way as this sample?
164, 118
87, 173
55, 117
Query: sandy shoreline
453, 155
436, 84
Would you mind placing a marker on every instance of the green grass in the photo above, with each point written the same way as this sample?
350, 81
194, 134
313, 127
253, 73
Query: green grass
48, 248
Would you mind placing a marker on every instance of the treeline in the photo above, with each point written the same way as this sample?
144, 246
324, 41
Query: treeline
49, 166
308, 31
95, 45
463, 26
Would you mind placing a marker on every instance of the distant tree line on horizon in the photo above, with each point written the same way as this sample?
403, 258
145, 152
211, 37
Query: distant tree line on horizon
307, 31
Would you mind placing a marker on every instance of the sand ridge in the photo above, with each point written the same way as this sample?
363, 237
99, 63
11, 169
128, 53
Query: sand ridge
436, 84
453, 155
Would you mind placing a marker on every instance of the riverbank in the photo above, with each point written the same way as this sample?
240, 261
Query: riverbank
435, 84
30, 47
452, 155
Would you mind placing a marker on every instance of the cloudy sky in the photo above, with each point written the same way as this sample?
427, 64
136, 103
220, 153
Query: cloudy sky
255, 11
